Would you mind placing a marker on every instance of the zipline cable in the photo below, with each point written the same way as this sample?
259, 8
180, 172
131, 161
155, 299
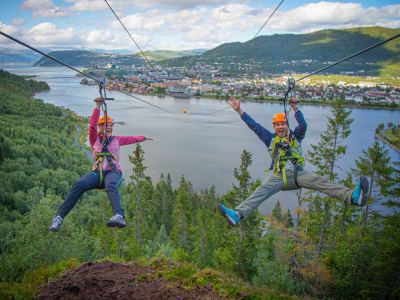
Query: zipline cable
80, 72
137, 45
268, 19
351, 56
226, 107
48, 56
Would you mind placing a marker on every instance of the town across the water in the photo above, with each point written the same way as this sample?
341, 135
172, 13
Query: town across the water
363, 91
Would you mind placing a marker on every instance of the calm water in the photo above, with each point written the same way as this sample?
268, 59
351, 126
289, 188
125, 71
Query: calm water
204, 147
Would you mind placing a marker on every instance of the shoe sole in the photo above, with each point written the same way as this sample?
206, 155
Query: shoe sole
114, 224
222, 212
364, 188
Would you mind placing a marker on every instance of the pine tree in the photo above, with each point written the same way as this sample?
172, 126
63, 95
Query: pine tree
327, 153
248, 232
376, 165
277, 212
182, 219
138, 177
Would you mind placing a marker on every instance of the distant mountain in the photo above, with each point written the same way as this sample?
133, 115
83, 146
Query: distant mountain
168, 54
304, 53
85, 58
11, 57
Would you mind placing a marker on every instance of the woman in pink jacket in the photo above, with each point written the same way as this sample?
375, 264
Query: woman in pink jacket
106, 172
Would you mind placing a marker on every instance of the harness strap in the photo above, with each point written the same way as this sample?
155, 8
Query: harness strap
100, 156
281, 160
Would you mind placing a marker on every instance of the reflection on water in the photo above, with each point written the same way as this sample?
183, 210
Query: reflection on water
204, 147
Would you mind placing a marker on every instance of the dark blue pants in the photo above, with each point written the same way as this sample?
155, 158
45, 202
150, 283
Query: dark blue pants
89, 181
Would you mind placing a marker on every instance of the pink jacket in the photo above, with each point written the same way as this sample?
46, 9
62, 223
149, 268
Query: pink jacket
113, 147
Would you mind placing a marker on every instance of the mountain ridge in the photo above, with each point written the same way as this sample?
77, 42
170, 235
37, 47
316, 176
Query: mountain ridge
305, 52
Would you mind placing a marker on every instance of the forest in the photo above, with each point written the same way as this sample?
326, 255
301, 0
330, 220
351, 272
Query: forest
323, 249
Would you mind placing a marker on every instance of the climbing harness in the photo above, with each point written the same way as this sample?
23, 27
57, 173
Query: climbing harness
102, 89
104, 141
284, 150
100, 156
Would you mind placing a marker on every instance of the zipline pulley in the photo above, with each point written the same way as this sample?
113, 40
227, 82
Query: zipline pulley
289, 88
103, 95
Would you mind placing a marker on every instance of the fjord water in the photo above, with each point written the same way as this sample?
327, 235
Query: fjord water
204, 147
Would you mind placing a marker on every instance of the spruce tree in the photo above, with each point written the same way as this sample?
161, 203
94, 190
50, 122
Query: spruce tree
376, 165
326, 155
137, 177
248, 232
182, 219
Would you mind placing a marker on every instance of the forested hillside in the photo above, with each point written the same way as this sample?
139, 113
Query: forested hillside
88, 58
306, 52
325, 248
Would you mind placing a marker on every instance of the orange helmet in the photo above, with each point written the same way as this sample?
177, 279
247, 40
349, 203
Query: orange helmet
279, 117
102, 120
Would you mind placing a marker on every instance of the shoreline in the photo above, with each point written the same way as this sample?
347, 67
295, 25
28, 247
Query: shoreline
278, 101
377, 136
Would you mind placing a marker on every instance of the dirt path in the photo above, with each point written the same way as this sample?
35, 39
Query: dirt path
110, 280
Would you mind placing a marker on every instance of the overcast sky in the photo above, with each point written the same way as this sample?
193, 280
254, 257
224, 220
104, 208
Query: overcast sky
178, 24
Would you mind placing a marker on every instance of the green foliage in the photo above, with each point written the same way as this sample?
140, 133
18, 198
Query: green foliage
38, 164
303, 53
34, 245
191, 277
273, 271
32, 280
36, 149
182, 230
86, 58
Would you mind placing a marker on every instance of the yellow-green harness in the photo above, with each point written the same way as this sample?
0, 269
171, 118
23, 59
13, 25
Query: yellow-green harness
104, 153
283, 150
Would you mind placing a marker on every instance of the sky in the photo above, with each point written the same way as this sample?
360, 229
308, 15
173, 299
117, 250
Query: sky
178, 24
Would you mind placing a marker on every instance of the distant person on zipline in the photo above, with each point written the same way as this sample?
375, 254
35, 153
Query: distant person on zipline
106, 172
288, 167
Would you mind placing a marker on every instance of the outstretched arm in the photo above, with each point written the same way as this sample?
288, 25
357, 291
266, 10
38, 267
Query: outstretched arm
300, 130
127, 140
93, 121
263, 134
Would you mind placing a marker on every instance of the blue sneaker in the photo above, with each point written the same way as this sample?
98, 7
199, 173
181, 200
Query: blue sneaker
56, 225
116, 221
230, 215
360, 193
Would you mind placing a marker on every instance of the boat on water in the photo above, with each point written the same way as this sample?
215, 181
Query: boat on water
84, 81
179, 91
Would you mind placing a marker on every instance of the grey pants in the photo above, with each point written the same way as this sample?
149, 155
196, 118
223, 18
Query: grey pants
274, 183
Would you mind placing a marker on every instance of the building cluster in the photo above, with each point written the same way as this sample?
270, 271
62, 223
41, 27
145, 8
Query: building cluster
184, 82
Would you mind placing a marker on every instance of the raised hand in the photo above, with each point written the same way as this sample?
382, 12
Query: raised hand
99, 101
293, 102
235, 103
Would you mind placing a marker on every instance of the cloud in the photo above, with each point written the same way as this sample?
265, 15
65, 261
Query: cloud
47, 35
313, 16
177, 4
87, 5
45, 9
18, 21
202, 26
10, 30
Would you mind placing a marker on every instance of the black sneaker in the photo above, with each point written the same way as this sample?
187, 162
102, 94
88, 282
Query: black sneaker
56, 225
117, 221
